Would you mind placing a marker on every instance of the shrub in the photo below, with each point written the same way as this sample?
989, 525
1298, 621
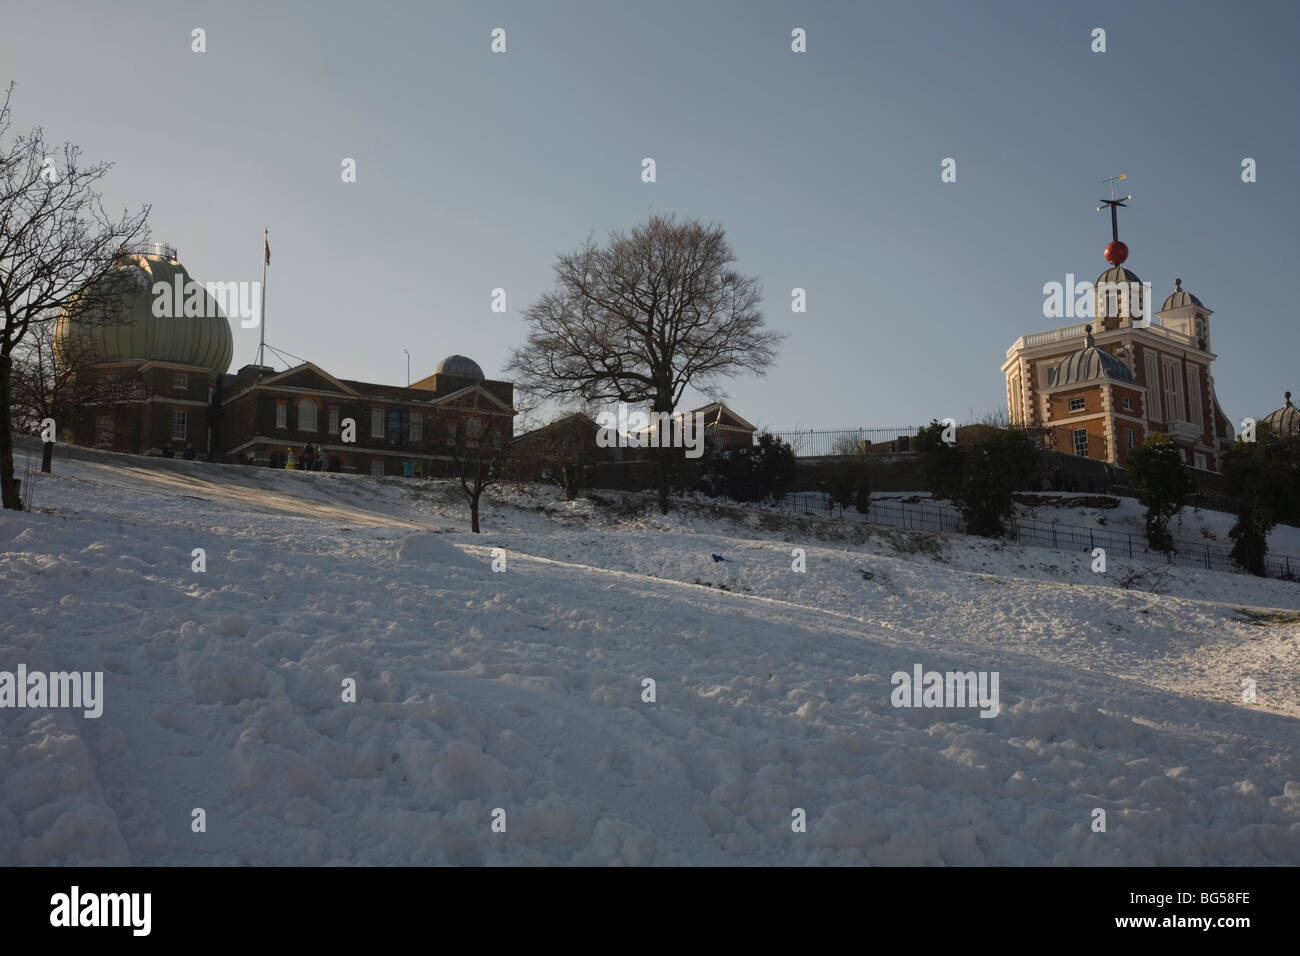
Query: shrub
980, 478
1159, 477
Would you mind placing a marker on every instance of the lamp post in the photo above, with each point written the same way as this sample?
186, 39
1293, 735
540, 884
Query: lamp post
408, 368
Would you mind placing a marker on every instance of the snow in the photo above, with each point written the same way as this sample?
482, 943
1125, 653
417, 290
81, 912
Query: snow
522, 690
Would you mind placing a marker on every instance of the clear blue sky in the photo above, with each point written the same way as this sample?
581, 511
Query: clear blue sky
475, 170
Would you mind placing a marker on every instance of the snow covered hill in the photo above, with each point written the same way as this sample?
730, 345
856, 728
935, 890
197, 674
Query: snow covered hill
523, 690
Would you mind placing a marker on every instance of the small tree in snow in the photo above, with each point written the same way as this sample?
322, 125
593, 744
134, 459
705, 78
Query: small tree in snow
1159, 477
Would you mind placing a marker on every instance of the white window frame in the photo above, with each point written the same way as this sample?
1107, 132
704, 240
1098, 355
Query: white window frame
1125, 404
1173, 394
184, 421
377, 416
1194, 396
334, 421
1152, 363
180, 382
1128, 438
1082, 405
306, 423
281, 414
1199, 460
1074, 438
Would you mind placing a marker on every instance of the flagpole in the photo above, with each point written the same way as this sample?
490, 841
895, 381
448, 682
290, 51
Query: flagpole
261, 345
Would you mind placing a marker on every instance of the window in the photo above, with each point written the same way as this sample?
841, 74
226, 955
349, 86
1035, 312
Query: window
180, 381
376, 423
1194, 395
179, 421
1125, 404
417, 426
334, 421
1199, 459
377, 467
281, 415
396, 428
473, 428
496, 441
1076, 404
1080, 436
1128, 438
306, 415
1153, 385
1173, 405
451, 433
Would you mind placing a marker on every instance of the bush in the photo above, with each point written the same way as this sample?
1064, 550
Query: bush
1160, 479
980, 478
758, 473
1264, 479
849, 485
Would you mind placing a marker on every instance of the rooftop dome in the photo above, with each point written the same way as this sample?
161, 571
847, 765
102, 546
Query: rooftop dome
459, 365
1181, 297
1090, 364
1118, 274
113, 320
1285, 421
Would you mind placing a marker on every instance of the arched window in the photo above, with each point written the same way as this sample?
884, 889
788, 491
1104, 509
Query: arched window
306, 415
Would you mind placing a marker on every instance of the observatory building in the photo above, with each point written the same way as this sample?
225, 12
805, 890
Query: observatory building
160, 384
150, 380
1099, 388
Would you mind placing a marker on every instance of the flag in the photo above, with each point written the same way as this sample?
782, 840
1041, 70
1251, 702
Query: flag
266, 242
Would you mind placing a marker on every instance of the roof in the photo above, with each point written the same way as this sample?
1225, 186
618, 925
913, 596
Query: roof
1181, 298
1089, 364
1285, 421
459, 365
120, 325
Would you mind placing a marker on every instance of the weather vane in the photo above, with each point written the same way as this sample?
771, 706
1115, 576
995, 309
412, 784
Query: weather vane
1116, 251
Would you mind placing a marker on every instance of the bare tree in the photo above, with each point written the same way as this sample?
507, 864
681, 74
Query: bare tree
479, 459
560, 452
55, 239
642, 317
49, 381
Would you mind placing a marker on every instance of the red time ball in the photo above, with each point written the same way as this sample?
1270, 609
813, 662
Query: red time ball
1116, 252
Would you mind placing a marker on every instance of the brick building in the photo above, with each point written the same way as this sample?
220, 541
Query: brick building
160, 383
266, 416
151, 380
1098, 389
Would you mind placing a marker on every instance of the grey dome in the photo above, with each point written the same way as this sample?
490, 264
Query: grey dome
1285, 421
1088, 365
1180, 298
461, 366
1118, 274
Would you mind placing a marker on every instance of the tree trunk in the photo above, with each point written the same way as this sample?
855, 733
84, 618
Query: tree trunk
473, 512
8, 490
663, 479
47, 456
